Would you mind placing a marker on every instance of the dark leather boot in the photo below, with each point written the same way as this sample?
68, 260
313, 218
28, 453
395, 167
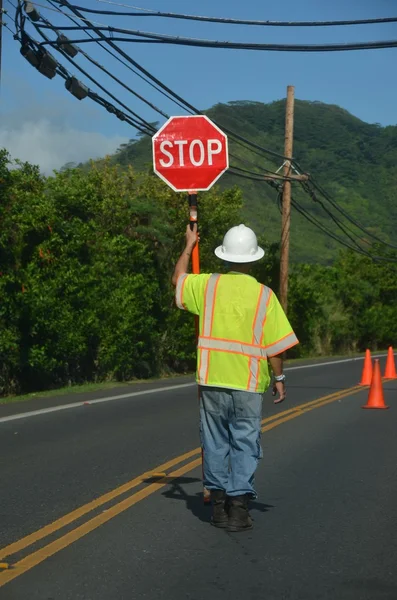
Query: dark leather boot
219, 514
239, 517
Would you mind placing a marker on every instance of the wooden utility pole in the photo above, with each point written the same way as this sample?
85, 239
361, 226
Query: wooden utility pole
286, 214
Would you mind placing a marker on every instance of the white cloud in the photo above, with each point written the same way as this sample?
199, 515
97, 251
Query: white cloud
51, 145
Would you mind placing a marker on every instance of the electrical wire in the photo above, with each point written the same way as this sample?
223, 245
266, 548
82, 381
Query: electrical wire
202, 43
259, 177
174, 95
8, 27
137, 120
327, 231
346, 230
24, 38
244, 143
120, 60
185, 105
147, 12
176, 98
57, 46
301, 210
312, 183
348, 216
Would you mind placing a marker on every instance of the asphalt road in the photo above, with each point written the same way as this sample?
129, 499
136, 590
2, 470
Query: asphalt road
325, 518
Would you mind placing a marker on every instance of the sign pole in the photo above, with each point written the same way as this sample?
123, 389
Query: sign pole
193, 218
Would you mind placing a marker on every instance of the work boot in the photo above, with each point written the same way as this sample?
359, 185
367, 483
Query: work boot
219, 514
239, 517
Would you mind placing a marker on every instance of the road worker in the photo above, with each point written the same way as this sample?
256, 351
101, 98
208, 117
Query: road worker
242, 328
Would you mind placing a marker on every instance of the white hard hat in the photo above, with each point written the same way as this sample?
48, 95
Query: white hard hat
240, 246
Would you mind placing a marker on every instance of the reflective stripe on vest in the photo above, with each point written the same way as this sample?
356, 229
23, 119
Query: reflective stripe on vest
257, 335
209, 306
230, 346
179, 291
282, 345
254, 351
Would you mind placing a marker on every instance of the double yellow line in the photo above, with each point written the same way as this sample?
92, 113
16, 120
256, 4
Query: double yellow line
163, 476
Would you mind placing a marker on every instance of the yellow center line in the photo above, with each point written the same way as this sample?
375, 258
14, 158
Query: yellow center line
34, 559
90, 506
52, 548
312, 406
126, 487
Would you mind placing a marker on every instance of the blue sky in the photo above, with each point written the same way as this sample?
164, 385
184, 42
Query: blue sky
41, 122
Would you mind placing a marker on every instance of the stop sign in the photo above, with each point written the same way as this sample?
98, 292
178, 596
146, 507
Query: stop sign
190, 153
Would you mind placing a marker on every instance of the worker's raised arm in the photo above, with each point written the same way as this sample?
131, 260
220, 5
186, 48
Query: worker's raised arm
182, 265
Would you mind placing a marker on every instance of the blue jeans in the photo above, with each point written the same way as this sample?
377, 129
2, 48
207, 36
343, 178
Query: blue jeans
230, 429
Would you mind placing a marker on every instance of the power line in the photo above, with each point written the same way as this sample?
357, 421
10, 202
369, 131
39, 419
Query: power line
147, 12
176, 96
138, 121
168, 92
129, 89
202, 43
303, 212
347, 215
27, 41
325, 230
120, 60
239, 139
9, 28
346, 230
58, 46
259, 177
309, 189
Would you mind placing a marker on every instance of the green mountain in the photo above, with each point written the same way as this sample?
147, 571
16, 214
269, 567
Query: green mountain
354, 161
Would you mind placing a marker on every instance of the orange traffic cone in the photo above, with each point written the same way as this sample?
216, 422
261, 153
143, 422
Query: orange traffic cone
375, 397
390, 372
366, 377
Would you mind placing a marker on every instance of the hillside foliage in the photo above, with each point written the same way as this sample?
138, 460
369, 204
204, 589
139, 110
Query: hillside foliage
354, 161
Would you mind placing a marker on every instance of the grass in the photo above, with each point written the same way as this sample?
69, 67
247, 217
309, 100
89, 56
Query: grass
79, 389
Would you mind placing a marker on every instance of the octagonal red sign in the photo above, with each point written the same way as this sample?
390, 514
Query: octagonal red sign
190, 153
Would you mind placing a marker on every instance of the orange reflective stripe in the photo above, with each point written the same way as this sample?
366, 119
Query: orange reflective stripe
282, 345
179, 291
257, 335
231, 346
261, 314
264, 320
208, 366
256, 316
249, 373
209, 304
203, 367
213, 302
228, 341
209, 307
254, 375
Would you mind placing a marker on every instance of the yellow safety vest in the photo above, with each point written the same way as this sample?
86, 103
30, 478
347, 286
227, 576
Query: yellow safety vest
242, 324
